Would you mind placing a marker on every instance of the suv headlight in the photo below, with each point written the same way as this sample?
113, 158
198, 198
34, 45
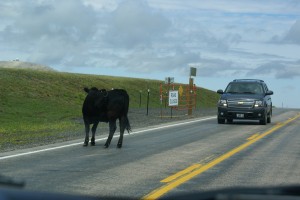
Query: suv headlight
222, 102
258, 104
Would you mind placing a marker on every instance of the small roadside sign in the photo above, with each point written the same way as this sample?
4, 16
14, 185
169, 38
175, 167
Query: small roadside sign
169, 80
193, 71
173, 98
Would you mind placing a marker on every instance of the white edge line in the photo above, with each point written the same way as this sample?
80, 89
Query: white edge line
78, 143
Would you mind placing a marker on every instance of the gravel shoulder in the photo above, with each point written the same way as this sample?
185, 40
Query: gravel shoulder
139, 118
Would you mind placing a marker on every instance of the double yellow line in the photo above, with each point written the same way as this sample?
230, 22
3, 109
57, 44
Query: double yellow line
196, 169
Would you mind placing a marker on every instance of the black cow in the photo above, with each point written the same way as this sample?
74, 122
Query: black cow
105, 106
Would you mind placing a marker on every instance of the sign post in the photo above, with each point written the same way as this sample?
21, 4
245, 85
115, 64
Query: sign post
190, 101
193, 72
173, 100
169, 80
148, 101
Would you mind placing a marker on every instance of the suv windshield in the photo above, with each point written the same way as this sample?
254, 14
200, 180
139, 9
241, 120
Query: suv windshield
244, 88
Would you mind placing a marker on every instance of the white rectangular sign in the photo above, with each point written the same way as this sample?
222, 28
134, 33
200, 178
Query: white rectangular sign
173, 98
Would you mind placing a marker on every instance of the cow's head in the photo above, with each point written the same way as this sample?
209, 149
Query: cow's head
93, 90
101, 99
98, 97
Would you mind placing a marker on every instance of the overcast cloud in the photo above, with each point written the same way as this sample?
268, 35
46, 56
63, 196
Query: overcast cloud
145, 36
155, 39
293, 35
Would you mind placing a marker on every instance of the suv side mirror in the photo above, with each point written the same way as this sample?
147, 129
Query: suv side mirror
269, 92
220, 92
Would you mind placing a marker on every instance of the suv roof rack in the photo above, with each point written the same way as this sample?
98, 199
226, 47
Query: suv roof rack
250, 80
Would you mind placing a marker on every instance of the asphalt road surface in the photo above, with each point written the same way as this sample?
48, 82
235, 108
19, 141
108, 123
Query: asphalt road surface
188, 156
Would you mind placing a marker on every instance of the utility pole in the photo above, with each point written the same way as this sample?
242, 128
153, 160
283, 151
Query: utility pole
190, 100
193, 72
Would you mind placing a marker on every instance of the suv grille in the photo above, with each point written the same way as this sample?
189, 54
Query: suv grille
240, 103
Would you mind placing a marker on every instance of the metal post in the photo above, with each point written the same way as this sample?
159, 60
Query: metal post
161, 99
190, 102
140, 98
166, 99
148, 101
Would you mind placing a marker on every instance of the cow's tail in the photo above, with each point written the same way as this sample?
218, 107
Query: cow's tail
127, 124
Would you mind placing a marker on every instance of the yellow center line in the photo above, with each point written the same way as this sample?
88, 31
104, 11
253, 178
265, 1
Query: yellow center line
184, 178
253, 136
183, 172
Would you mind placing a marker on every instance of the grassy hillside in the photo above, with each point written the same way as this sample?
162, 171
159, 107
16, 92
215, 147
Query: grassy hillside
39, 104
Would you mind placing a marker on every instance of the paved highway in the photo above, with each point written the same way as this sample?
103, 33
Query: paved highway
189, 156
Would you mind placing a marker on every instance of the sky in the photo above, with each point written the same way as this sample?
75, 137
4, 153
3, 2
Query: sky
154, 39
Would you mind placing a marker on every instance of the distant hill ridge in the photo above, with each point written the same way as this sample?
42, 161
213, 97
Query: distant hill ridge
24, 65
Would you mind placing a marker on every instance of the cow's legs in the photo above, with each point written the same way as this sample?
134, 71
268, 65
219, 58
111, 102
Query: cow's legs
122, 122
112, 129
87, 130
93, 133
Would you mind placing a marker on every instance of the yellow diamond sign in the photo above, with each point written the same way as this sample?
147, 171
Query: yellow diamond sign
180, 90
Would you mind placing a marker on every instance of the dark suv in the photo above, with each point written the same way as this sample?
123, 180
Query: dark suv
245, 99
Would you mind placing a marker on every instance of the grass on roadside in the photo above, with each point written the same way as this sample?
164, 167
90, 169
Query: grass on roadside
40, 105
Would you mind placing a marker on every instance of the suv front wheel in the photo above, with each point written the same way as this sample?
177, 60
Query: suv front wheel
264, 120
221, 121
269, 117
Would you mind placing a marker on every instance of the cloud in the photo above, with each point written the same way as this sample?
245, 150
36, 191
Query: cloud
100, 5
212, 67
293, 35
149, 62
151, 36
50, 31
73, 32
133, 24
279, 69
271, 7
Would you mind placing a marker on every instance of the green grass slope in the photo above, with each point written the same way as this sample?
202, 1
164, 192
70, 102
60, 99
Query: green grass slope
36, 105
